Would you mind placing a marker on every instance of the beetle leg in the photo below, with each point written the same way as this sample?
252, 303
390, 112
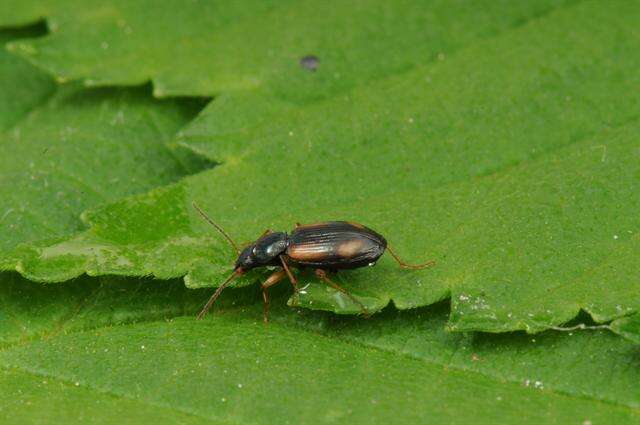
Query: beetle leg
323, 276
271, 280
410, 266
294, 281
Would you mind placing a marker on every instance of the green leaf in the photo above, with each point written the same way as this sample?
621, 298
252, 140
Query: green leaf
32, 311
82, 148
128, 350
107, 340
203, 48
577, 363
34, 86
31, 398
69, 149
521, 197
628, 327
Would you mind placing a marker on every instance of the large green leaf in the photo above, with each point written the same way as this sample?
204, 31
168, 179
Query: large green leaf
517, 172
203, 48
117, 350
67, 149
107, 340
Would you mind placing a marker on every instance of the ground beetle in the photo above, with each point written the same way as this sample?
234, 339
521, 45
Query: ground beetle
325, 247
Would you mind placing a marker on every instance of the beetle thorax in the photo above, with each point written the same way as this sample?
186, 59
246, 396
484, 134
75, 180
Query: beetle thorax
264, 251
269, 247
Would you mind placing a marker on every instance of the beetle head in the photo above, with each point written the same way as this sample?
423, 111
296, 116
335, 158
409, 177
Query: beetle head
246, 260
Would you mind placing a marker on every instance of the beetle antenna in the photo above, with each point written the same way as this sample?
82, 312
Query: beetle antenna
237, 272
410, 266
220, 229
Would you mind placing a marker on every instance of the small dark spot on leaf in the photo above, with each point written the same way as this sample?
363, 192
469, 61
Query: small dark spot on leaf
310, 62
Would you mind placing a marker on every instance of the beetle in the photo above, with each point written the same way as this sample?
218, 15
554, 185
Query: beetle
325, 247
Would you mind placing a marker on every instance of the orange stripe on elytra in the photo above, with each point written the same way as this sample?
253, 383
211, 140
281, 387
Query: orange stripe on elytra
307, 252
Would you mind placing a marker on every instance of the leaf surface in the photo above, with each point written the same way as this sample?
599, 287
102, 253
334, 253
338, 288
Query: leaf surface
208, 47
517, 197
32, 398
303, 367
34, 87
628, 327
68, 149
128, 350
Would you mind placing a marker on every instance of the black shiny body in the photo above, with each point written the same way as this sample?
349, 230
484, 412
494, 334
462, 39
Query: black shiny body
332, 245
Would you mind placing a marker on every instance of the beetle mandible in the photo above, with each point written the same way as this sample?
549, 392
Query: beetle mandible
326, 247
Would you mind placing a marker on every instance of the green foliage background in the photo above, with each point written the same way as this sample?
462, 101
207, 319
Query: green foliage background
500, 138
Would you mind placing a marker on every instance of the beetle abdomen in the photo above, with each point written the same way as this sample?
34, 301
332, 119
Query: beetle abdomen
335, 245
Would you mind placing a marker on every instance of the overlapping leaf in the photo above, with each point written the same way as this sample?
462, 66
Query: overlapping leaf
84, 148
231, 366
521, 197
69, 148
310, 367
